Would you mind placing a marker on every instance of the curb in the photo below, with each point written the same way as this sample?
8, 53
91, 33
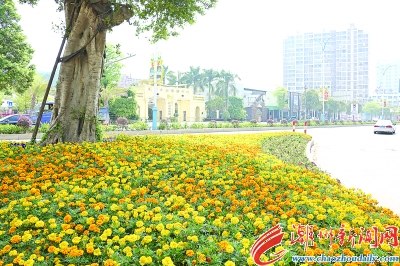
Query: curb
309, 152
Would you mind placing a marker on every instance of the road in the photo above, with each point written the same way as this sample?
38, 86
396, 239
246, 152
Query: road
361, 159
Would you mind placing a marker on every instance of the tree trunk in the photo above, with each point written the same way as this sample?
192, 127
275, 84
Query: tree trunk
76, 102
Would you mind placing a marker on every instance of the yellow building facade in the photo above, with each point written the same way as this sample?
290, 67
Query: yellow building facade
172, 102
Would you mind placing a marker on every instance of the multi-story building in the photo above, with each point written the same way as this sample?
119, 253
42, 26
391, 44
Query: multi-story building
177, 102
387, 84
334, 60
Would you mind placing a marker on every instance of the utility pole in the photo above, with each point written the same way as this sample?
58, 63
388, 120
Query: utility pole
155, 109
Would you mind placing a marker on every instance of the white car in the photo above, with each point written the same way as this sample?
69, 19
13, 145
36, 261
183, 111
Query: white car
384, 126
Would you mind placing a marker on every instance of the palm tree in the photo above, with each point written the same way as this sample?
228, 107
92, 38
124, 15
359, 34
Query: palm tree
226, 84
164, 74
171, 78
209, 76
193, 79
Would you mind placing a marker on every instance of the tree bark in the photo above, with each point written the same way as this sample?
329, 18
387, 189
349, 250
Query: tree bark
76, 101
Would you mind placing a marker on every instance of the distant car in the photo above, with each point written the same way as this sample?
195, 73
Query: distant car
384, 126
12, 119
46, 117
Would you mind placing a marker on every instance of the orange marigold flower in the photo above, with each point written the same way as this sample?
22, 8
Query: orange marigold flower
110, 262
67, 218
94, 228
347, 252
189, 253
335, 246
51, 249
15, 239
366, 251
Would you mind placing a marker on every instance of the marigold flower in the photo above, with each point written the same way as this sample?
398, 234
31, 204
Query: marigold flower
167, 261
189, 253
15, 239
144, 260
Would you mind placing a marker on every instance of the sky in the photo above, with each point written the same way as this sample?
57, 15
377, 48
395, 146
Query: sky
244, 37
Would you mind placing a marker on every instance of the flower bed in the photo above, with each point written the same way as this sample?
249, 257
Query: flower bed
169, 200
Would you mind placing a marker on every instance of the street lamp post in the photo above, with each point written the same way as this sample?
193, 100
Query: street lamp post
323, 76
155, 109
323, 83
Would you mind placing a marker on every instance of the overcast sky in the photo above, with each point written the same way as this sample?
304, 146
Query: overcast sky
244, 37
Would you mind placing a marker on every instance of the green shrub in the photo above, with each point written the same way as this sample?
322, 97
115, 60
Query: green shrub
163, 125
197, 125
139, 125
175, 125
11, 129
44, 128
213, 124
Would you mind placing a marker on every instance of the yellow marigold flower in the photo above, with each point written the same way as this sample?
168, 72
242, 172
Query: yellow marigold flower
229, 248
234, 220
165, 232
229, 263
139, 224
97, 252
33, 219
193, 238
26, 237
13, 253
145, 260
167, 261
147, 239
70, 231
63, 244
108, 232
159, 227
76, 240
245, 242
199, 219
250, 261
225, 233
173, 244
201, 257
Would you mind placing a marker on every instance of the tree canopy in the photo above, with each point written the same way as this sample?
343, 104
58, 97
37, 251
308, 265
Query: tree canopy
16, 72
87, 23
111, 73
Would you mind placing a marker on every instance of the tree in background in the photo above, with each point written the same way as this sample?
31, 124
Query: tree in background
312, 102
124, 106
193, 79
15, 53
372, 109
226, 84
217, 103
78, 89
111, 73
236, 109
209, 78
281, 95
27, 101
